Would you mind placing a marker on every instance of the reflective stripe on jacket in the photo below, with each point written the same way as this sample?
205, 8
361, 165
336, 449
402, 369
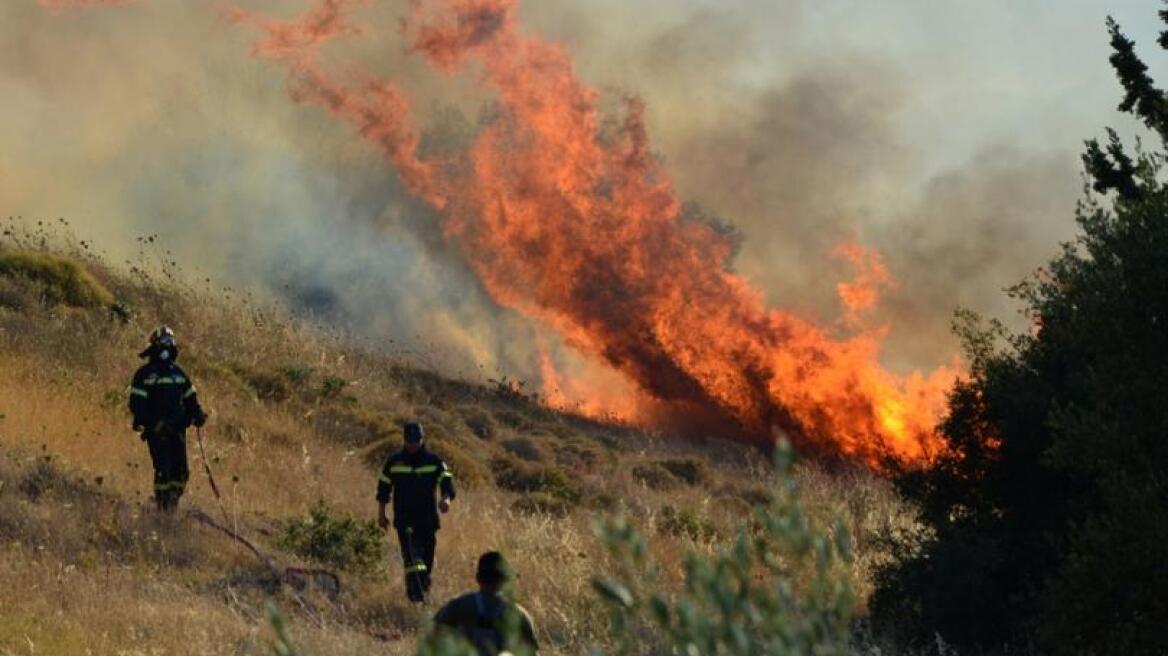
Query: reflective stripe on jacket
412, 481
162, 397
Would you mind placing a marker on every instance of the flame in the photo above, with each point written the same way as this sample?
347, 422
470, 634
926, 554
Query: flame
598, 397
861, 295
571, 221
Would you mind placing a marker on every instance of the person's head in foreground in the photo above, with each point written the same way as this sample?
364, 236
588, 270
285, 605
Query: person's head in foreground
493, 573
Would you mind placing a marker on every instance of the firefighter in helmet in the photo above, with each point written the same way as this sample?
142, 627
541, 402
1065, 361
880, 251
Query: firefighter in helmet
164, 403
421, 486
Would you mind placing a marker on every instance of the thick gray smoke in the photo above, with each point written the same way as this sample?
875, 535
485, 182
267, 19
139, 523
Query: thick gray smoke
791, 120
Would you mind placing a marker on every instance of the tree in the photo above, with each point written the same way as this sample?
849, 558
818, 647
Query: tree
1048, 520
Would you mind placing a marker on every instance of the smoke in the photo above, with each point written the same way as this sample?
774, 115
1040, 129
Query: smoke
806, 126
154, 120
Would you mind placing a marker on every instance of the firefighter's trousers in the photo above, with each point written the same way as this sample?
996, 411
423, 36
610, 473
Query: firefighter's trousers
417, 549
168, 452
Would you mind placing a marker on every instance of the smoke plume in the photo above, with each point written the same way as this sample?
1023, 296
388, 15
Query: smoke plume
161, 124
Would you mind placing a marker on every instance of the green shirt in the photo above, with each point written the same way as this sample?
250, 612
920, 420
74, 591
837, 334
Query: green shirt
480, 617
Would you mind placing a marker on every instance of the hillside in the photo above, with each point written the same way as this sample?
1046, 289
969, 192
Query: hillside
301, 419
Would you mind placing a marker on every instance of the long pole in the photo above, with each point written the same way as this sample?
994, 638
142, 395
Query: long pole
210, 476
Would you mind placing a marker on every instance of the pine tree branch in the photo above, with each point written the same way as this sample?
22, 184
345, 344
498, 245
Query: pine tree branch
1141, 96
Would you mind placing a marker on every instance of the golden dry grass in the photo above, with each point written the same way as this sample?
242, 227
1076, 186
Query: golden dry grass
89, 568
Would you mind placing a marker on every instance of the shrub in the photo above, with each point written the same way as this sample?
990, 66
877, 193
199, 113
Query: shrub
44, 476
525, 448
690, 470
468, 470
354, 426
481, 424
297, 374
654, 476
542, 504
518, 476
512, 419
686, 523
332, 386
780, 590
579, 455
337, 540
266, 385
62, 280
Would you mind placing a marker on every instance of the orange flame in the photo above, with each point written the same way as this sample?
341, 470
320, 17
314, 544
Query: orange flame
609, 400
576, 224
861, 295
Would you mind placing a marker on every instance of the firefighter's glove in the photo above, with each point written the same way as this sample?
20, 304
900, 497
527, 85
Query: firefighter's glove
444, 505
199, 420
383, 522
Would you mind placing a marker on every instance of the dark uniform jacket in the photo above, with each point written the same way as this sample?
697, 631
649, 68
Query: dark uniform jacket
411, 480
162, 398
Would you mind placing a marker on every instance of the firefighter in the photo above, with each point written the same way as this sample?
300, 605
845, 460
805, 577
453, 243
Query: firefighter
488, 619
412, 476
164, 403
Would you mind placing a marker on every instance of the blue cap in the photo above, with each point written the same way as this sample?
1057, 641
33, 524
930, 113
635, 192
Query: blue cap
413, 433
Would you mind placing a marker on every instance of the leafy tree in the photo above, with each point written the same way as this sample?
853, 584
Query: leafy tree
1048, 520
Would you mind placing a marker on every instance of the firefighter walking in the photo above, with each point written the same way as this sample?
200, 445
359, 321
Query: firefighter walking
420, 485
163, 402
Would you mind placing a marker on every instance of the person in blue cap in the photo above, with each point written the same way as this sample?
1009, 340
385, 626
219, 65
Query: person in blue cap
421, 486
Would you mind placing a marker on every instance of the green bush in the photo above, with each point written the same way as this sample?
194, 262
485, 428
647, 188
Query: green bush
686, 523
297, 374
518, 476
339, 541
61, 280
467, 468
781, 589
332, 386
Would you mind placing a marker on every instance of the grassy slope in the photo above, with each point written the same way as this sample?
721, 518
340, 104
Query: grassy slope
86, 562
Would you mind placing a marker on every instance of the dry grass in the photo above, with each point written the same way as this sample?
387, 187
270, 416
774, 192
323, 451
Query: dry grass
299, 415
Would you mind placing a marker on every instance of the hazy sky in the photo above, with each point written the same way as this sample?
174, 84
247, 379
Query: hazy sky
944, 133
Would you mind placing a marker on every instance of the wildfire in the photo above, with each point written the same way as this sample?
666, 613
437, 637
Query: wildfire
572, 222
861, 295
609, 399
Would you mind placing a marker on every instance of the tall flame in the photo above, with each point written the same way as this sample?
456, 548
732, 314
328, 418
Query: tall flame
570, 220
